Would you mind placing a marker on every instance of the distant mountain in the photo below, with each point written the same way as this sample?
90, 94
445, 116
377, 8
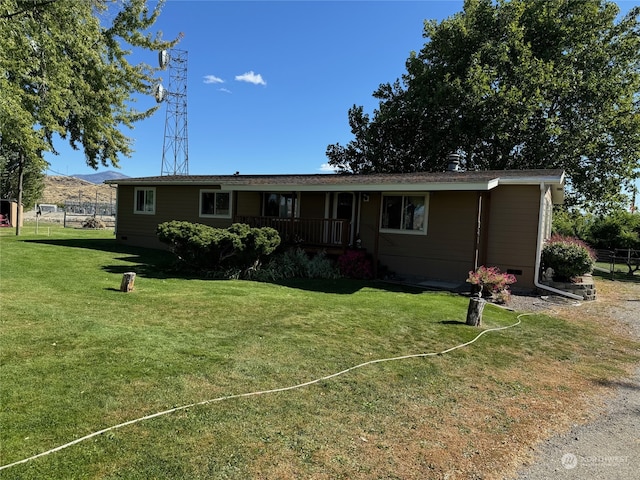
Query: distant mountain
99, 178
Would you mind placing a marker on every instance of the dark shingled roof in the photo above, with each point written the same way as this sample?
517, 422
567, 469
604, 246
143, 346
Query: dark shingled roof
417, 178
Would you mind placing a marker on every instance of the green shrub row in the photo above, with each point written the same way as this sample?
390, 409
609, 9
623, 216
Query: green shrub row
241, 251
204, 248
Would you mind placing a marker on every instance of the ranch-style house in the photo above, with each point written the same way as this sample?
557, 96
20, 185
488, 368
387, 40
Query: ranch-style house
435, 226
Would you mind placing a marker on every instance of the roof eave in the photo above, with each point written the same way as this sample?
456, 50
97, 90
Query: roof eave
484, 185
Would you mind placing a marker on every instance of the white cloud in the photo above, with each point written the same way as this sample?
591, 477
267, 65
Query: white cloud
225, 90
325, 167
212, 79
251, 77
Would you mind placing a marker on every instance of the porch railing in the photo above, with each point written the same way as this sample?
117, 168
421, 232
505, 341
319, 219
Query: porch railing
306, 232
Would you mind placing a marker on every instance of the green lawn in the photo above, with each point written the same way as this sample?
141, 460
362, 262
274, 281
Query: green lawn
77, 355
620, 272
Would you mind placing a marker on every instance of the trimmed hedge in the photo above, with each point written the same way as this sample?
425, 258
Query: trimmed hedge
206, 248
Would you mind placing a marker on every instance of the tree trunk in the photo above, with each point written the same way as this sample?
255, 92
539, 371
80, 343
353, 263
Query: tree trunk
128, 280
474, 312
21, 163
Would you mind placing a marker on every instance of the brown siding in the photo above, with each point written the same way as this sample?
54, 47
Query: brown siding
447, 251
312, 204
508, 237
513, 231
369, 214
247, 204
172, 203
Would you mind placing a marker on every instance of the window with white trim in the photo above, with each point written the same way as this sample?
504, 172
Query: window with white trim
404, 213
144, 200
215, 203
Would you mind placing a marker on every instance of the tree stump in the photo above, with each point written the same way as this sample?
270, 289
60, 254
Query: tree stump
128, 280
474, 312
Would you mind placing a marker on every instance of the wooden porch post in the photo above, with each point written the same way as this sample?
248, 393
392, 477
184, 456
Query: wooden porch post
234, 207
292, 237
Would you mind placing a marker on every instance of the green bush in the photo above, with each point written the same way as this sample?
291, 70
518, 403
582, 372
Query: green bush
258, 243
239, 248
322, 267
295, 263
188, 241
568, 257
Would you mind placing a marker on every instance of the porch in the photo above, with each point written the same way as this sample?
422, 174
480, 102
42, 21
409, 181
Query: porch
330, 234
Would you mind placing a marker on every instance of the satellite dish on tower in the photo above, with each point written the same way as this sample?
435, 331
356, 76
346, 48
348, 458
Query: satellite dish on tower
163, 59
159, 93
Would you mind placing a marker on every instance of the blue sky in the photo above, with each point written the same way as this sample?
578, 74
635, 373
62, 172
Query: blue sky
270, 82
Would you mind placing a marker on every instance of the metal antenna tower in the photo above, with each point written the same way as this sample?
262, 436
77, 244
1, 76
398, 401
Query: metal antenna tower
175, 149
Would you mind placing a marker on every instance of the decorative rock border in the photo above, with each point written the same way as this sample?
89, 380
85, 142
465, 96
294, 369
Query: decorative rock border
583, 286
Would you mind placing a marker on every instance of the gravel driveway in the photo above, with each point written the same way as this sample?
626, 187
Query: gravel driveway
609, 446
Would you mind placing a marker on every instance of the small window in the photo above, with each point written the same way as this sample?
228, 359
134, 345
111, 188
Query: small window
215, 203
404, 213
145, 200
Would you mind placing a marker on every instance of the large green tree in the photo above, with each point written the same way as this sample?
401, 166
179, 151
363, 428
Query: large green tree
513, 85
32, 178
65, 73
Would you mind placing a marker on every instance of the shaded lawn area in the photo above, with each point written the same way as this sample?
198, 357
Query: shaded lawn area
77, 356
619, 272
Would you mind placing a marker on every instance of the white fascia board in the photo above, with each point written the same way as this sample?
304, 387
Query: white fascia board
551, 180
556, 183
328, 187
349, 187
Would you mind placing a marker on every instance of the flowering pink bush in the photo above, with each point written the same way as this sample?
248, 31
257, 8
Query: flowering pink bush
568, 257
492, 283
355, 264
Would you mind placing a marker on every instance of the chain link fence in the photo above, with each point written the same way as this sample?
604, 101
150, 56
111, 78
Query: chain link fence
78, 213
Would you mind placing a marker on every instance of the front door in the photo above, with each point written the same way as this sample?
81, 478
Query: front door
343, 209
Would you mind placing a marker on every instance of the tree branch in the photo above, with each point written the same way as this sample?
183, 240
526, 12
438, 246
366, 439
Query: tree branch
8, 16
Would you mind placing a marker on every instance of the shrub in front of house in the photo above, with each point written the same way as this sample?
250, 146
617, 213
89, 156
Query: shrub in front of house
188, 241
355, 264
296, 263
239, 248
257, 244
568, 257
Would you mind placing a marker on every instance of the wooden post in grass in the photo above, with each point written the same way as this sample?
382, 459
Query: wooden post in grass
474, 312
128, 279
